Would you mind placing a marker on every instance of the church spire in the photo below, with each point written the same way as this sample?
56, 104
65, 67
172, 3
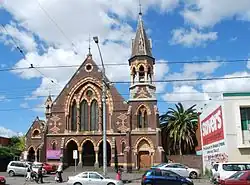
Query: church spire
141, 45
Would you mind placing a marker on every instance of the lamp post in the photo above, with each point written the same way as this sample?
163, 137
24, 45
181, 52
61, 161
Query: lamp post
104, 140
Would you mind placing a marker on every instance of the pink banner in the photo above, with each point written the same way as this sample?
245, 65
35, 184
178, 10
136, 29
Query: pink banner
53, 154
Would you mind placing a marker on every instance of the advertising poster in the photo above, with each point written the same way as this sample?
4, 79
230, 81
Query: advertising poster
53, 154
213, 139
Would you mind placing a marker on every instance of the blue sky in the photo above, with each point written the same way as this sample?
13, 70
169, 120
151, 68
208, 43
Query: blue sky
182, 30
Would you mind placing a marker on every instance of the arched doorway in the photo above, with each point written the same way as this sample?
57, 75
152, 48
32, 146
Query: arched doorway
69, 158
100, 154
88, 154
31, 155
144, 158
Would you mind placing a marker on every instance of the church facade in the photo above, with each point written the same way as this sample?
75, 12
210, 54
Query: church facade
74, 118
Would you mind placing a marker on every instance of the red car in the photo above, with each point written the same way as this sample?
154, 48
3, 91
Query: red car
2, 180
49, 168
239, 178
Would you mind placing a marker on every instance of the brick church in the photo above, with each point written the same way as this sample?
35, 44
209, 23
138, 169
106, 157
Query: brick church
74, 118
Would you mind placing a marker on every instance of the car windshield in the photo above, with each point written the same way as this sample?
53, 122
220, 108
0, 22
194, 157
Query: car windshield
237, 175
160, 165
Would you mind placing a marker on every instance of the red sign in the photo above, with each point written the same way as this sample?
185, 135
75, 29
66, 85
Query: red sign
212, 127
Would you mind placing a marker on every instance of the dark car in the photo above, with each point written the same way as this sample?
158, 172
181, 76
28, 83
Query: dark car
164, 177
2, 180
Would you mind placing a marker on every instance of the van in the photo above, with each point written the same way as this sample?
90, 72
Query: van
17, 168
222, 171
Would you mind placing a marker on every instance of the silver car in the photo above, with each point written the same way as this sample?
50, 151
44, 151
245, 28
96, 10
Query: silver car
91, 178
17, 168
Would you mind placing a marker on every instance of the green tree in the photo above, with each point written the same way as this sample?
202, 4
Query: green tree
180, 127
17, 143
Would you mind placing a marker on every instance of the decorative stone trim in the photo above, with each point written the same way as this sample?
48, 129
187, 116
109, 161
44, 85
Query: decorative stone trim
88, 139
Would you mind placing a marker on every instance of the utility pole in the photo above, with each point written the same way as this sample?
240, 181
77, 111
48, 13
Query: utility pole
104, 123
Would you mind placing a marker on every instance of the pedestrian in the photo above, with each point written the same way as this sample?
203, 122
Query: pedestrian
40, 174
119, 175
59, 172
28, 176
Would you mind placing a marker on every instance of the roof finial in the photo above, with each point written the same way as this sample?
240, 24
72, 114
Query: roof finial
140, 6
89, 45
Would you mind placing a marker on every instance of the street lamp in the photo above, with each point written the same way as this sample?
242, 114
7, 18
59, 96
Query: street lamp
104, 140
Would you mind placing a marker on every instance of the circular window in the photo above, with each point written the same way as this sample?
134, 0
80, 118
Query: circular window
89, 93
88, 67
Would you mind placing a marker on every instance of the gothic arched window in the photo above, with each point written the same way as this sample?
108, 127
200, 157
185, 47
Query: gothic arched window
134, 75
54, 146
123, 146
142, 118
84, 115
94, 115
73, 116
141, 74
149, 77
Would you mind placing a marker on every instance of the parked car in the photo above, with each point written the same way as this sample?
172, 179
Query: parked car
222, 171
239, 178
91, 177
180, 169
48, 168
2, 180
164, 177
36, 165
17, 168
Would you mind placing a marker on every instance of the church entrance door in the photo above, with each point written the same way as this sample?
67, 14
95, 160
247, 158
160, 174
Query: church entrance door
88, 154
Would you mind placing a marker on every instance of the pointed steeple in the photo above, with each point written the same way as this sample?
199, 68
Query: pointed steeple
141, 45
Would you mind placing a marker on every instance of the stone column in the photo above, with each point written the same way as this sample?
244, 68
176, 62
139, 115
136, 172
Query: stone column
78, 118
36, 156
80, 155
100, 119
67, 123
96, 149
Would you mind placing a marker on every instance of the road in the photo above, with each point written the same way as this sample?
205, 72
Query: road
49, 180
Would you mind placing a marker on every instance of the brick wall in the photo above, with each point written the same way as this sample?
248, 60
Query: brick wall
4, 141
193, 161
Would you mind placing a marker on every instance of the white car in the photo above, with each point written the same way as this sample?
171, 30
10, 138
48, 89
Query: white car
36, 165
91, 178
180, 169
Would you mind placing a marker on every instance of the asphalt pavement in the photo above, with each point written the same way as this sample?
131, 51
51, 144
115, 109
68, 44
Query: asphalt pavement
130, 179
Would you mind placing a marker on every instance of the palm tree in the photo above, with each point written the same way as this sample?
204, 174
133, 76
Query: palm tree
180, 126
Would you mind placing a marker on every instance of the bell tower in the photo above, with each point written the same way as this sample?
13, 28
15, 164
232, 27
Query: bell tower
141, 64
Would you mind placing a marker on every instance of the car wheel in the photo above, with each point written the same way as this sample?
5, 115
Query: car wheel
111, 183
11, 173
193, 175
77, 183
184, 184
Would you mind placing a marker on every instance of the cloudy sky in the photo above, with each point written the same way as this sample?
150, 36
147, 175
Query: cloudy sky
57, 32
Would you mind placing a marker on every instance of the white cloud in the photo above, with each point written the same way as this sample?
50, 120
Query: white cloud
192, 37
204, 13
95, 17
24, 105
4, 132
193, 71
187, 95
233, 39
232, 85
23, 39
160, 71
205, 68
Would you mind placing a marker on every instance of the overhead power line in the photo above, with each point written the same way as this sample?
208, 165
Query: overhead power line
121, 64
160, 101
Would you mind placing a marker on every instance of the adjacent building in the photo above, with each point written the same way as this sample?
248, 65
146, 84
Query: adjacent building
225, 130
74, 118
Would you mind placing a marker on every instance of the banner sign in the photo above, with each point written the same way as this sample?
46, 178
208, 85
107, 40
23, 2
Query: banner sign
53, 154
213, 141
212, 127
